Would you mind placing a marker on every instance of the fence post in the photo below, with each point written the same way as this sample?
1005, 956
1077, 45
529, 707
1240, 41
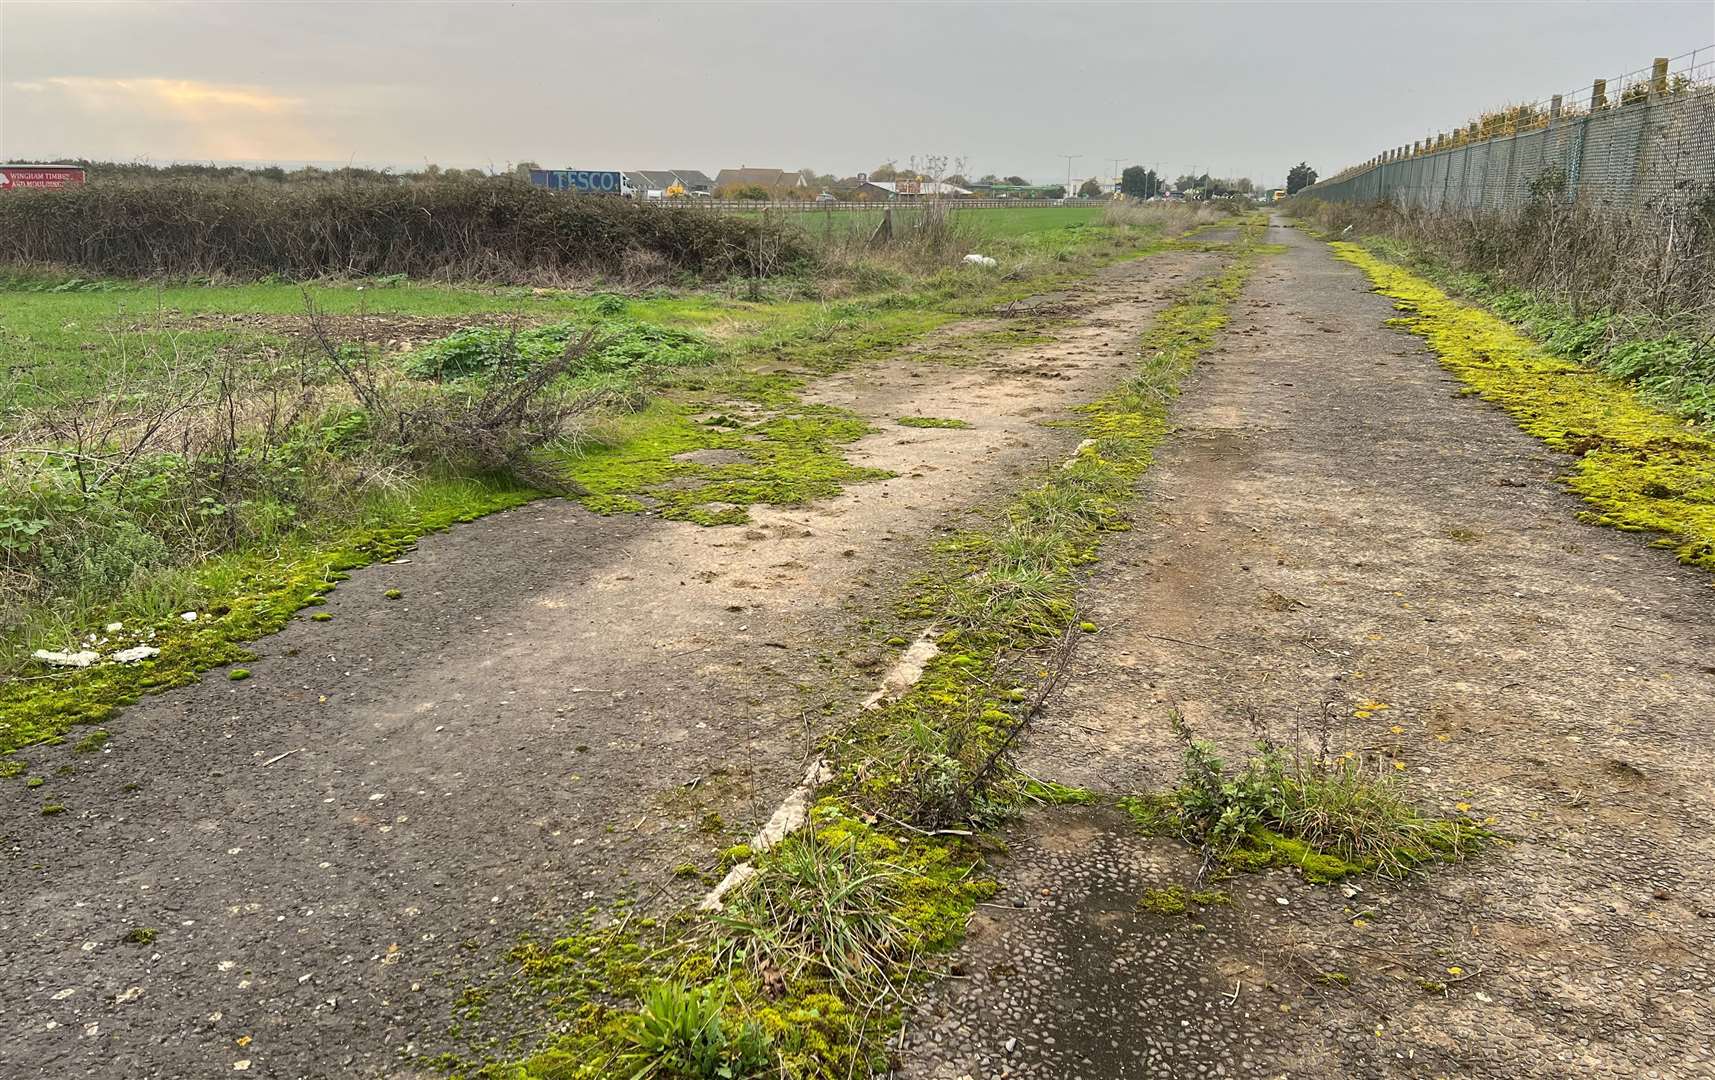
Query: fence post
1554, 109
1658, 77
1598, 94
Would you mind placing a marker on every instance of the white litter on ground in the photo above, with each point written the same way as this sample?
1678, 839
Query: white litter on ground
67, 659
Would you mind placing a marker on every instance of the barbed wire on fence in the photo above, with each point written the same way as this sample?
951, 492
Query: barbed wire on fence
1633, 141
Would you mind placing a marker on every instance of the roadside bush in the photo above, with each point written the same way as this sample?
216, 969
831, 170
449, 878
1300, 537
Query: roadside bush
497, 229
113, 495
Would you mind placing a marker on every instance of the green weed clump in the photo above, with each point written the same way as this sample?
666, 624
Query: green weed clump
825, 908
1328, 818
682, 1033
623, 349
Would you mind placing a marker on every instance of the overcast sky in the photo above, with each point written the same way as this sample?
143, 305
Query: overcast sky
1236, 89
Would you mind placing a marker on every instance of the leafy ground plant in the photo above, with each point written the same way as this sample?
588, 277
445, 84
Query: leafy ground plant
681, 1034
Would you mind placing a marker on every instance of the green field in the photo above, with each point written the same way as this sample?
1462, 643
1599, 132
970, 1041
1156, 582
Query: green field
60, 338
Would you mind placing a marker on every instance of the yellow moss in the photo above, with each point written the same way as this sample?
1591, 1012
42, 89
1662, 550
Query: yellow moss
1640, 468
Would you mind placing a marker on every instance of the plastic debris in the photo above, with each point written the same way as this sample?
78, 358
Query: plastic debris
67, 659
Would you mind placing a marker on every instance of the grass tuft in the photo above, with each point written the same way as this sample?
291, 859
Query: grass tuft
1330, 818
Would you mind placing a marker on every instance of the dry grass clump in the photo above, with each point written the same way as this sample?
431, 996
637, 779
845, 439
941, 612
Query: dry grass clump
185, 458
1656, 264
1169, 217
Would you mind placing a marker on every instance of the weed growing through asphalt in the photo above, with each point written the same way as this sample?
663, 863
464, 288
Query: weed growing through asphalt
1329, 816
825, 908
682, 1034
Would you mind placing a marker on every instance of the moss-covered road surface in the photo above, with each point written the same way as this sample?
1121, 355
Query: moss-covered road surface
315, 870
1337, 531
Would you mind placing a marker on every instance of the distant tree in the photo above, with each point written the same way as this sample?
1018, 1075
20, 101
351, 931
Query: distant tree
1058, 191
884, 171
989, 178
958, 180
1300, 177
1090, 189
1194, 183
1018, 181
1141, 183
751, 192
525, 168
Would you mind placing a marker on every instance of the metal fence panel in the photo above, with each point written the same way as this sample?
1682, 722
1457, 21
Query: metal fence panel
1632, 155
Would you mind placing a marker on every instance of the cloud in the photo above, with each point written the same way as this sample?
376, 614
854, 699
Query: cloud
188, 95
184, 117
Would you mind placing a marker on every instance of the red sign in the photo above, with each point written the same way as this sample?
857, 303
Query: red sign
39, 176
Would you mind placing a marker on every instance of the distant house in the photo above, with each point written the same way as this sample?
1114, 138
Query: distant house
880, 190
694, 181
773, 181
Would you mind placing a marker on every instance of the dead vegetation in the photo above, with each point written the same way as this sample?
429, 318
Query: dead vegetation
1657, 263
185, 457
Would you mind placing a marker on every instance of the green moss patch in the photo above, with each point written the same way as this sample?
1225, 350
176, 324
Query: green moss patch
1177, 900
1640, 469
666, 461
249, 597
759, 967
931, 422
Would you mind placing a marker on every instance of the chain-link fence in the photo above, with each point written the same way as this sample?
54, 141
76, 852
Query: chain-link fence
1634, 142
